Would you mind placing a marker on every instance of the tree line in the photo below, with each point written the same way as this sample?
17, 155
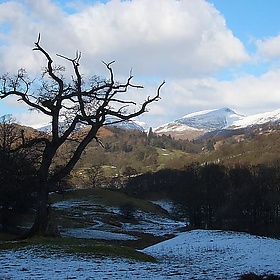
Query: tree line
17, 174
214, 196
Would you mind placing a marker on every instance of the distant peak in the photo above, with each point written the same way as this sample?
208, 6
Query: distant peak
208, 120
227, 109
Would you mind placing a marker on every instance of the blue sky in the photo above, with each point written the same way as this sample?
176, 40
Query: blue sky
212, 53
250, 18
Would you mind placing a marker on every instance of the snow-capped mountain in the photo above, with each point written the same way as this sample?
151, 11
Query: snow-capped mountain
197, 124
129, 125
62, 126
211, 119
257, 119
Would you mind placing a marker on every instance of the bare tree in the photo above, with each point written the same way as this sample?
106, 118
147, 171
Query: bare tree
95, 176
9, 133
73, 102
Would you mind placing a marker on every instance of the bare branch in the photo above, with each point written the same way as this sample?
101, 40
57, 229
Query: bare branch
31, 143
50, 61
38, 39
73, 60
141, 110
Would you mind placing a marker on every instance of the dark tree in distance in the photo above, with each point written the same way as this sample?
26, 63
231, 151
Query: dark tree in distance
9, 134
17, 174
75, 102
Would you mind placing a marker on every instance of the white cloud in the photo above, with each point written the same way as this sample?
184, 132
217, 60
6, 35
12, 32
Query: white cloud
33, 119
161, 37
247, 94
253, 94
270, 47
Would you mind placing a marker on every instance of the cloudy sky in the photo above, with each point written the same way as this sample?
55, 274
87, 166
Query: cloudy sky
211, 53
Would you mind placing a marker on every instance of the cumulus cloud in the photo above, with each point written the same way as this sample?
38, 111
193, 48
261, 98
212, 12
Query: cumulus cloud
160, 37
247, 94
269, 47
253, 93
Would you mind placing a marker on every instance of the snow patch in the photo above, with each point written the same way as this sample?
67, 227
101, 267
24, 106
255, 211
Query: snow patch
257, 119
197, 254
210, 254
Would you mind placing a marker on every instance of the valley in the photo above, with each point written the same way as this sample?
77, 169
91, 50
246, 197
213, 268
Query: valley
130, 210
99, 242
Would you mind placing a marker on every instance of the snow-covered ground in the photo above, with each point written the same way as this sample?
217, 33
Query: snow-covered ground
203, 254
146, 222
197, 254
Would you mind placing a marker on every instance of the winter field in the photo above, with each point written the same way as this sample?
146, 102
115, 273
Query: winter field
196, 254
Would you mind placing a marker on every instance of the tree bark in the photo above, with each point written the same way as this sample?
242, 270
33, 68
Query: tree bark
41, 220
42, 225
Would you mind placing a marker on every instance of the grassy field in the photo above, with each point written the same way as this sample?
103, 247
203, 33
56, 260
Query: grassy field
77, 246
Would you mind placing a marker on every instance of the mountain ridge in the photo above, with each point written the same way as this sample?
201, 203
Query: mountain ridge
127, 125
197, 124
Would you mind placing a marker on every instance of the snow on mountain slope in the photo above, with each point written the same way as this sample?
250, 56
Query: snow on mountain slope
257, 119
129, 125
214, 120
200, 122
175, 126
196, 124
179, 131
211, 119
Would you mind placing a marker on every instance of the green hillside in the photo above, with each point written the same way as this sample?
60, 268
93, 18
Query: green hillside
126, 152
